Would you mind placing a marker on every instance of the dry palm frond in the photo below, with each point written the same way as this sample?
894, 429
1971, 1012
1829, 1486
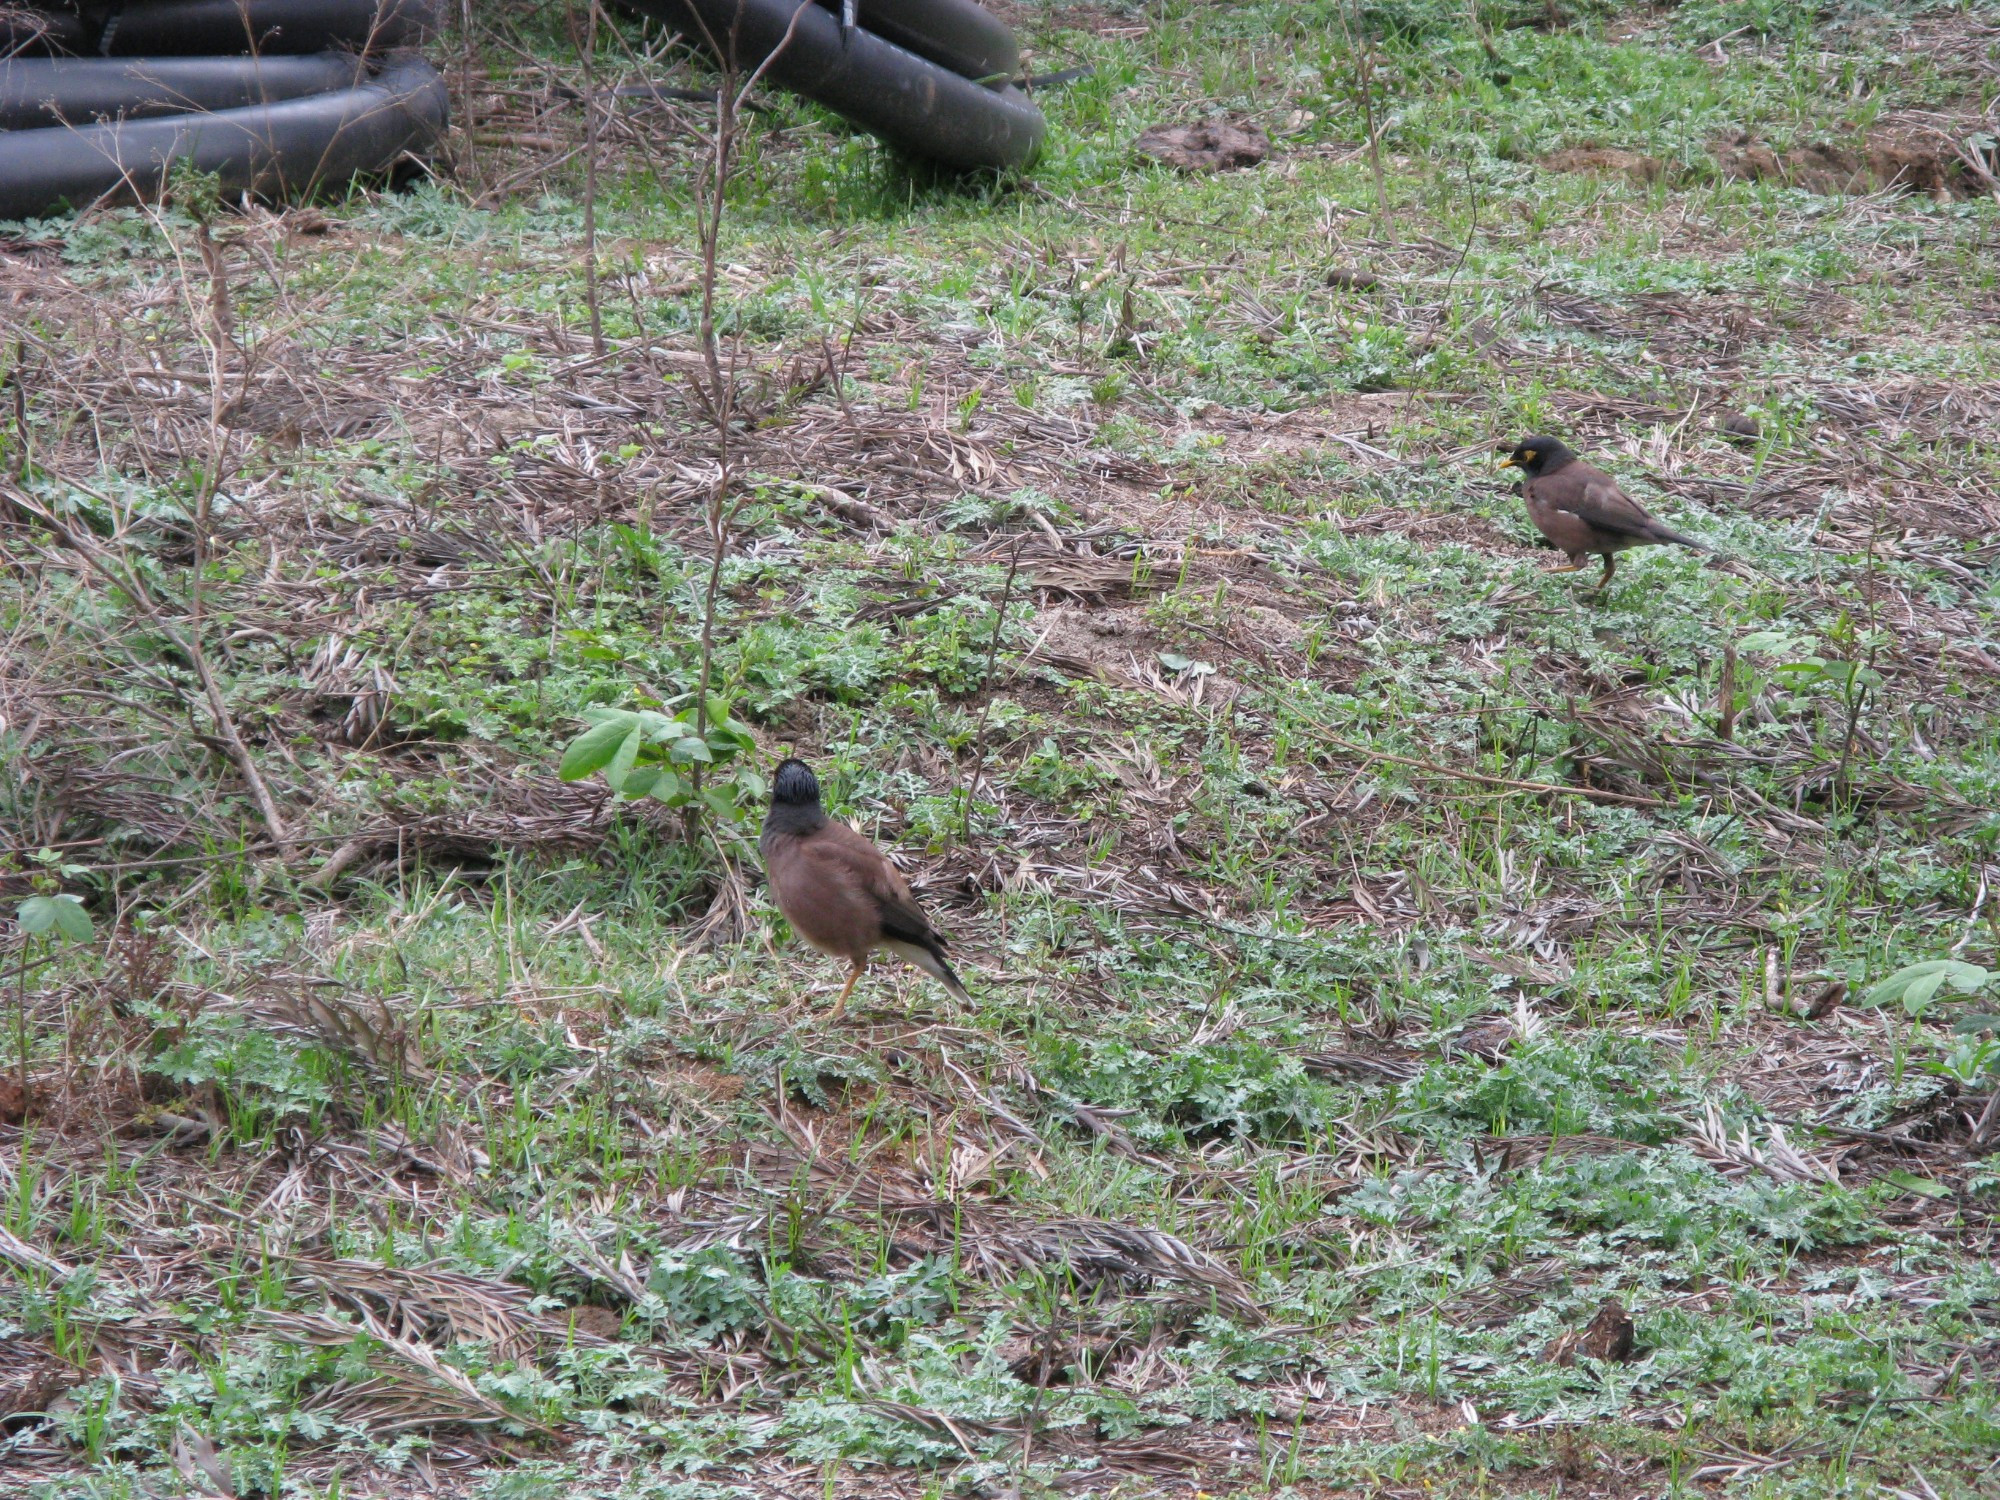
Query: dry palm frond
727, 919
405, 1305
21, 1253
339, 674
998, 1244
360, 1026
1734, 1155
1528, 1024
205, 1470
409, 1390
1098, 1248
1358, 1065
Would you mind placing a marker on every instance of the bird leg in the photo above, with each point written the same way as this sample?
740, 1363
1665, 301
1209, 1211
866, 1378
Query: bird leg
1574, 565
847, 989
1610, 567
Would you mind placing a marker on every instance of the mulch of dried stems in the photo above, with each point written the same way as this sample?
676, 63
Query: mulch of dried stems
111, 778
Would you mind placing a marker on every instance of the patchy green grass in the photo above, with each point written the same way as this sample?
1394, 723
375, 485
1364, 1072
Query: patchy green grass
1385, 952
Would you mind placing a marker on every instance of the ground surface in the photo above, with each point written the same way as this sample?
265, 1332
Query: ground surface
1385, 954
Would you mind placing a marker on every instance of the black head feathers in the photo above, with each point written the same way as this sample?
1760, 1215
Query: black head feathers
795, 785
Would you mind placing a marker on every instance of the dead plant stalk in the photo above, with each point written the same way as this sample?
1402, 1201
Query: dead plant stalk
1363, 54
590, 120
720, 396
986, 686
211, 320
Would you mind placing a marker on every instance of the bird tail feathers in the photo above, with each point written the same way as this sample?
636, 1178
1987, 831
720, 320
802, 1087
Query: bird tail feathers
932, 964
1668, 534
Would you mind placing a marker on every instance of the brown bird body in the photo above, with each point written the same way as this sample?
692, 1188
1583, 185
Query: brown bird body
839, 892
1581, 510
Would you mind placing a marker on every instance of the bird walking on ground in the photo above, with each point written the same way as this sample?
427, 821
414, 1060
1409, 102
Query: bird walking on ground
839, 892
1581, 510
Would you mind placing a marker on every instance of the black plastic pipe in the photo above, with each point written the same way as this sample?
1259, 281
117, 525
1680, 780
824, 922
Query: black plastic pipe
914, 105
283, 150
42, 91
955, 34
190, 28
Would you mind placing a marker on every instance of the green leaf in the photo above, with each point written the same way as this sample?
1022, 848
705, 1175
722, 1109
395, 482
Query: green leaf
718, 710
670, 789
658, 727
687, 750
72, 921
594, 749
622, 759
1973, 1024
1918, 992
726, 742
1909, 1182
36, 915
640, 781
1916, 985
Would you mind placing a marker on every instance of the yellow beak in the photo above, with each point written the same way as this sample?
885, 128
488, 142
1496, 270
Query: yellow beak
1506, 463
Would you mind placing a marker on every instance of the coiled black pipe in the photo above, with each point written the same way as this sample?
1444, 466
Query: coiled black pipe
957, 34
42, 91
186, 28
914, 105
288, 149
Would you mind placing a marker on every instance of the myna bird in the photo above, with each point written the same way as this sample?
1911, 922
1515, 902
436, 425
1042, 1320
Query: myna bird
839, 892
1581, 510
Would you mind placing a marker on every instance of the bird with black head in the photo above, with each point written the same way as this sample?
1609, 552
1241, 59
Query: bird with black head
1581, 510
839, 892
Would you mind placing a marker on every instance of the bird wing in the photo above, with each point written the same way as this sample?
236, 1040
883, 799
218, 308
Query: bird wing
1609, 508
846, 858
1600, 503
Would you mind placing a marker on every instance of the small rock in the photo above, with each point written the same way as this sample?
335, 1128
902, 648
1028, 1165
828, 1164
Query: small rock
1353, 278
1214, 146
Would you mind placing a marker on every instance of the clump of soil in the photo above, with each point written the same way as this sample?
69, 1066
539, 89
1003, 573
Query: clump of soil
1213, 146
1918, 161
1609, 1337
1737, 425
1639, 168
1925, 163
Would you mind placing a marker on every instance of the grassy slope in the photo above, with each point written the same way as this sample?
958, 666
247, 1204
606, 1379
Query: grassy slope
1376, 1080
